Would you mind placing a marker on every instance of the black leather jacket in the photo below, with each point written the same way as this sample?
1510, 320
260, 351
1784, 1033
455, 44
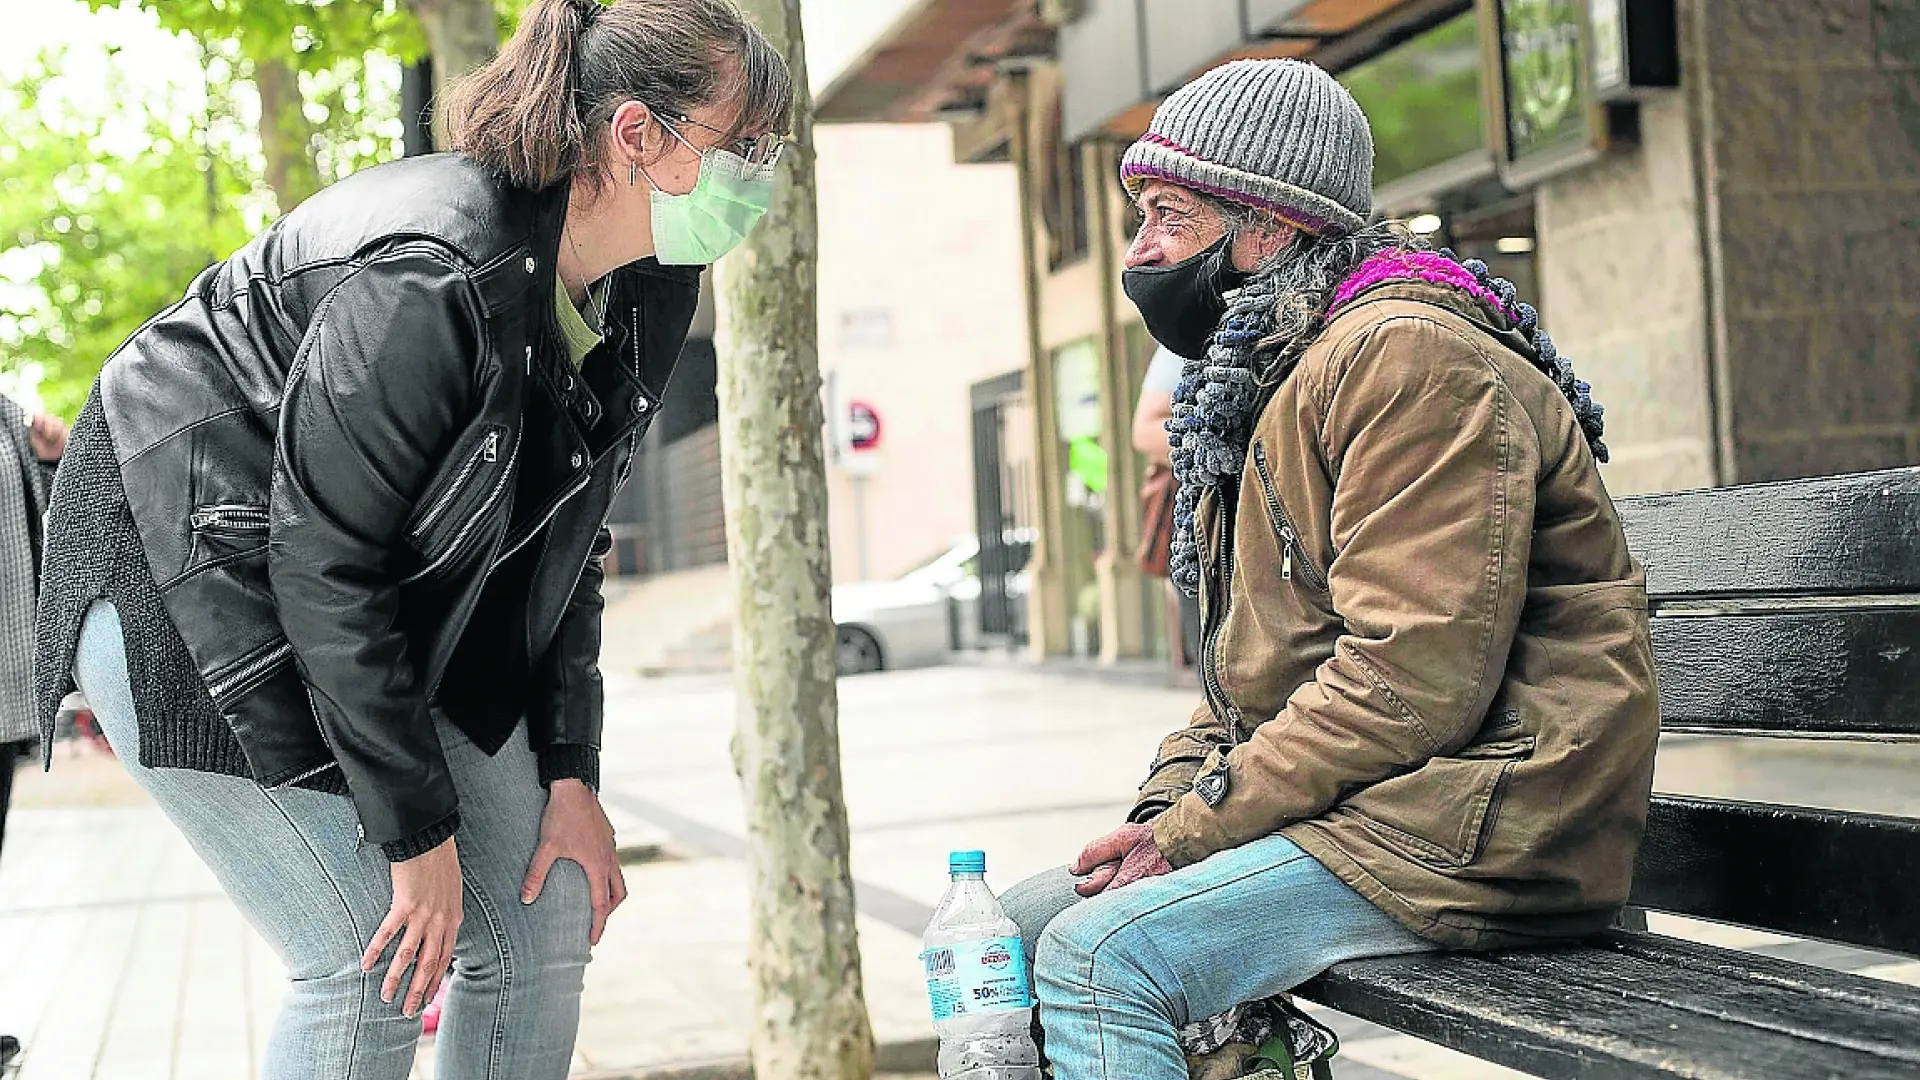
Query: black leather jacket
371, 485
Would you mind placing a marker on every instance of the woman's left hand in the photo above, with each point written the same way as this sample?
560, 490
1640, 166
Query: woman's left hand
574, 827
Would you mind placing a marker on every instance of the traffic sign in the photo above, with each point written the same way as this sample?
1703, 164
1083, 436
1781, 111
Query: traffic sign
863, 426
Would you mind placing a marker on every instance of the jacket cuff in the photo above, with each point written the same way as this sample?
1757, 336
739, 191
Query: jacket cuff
570, 761
1188, 832
412, 847
1147, 809
1167, 780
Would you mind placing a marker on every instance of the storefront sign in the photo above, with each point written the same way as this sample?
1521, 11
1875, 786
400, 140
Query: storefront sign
1543, 60
1546, 119
1609, 46
1636, 47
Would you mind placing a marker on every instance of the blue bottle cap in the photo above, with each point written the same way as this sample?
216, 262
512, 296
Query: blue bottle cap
967, 862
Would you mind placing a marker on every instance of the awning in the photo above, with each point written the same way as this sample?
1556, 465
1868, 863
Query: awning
1118, 57
936, 62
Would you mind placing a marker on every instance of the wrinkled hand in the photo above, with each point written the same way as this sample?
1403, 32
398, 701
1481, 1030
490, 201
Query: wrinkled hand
1119, 859
575, 827
426, 903
47, 436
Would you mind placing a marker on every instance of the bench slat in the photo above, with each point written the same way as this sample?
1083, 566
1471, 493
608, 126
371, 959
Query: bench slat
1824, 874
1852, 672
1799, 1001
1833, 535
1637, 1005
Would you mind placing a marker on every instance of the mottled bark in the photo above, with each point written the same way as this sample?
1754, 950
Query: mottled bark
461, 36
286, 135
810, 1018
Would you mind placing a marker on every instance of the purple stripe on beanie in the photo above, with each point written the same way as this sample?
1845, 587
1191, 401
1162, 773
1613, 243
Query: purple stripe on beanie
1161, 140
1428, 266
1292, 215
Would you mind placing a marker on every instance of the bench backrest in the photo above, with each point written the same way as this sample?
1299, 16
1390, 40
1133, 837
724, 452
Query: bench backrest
1788, 610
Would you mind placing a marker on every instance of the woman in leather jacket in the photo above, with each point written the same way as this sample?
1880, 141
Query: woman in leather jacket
325, 555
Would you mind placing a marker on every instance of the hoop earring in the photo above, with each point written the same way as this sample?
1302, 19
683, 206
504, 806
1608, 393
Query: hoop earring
633, 173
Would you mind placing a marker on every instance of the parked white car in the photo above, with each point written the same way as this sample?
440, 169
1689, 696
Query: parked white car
908, 622
917, 619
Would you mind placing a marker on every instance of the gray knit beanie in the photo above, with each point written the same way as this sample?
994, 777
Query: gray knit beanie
1277, 134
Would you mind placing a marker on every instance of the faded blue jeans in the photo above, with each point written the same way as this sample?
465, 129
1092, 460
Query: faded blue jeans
293, 862
1120, 974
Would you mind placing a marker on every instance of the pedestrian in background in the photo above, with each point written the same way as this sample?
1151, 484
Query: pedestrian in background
326, 553
1150, 418
29, 451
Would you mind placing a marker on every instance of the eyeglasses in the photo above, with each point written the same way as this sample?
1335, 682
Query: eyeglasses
760, 150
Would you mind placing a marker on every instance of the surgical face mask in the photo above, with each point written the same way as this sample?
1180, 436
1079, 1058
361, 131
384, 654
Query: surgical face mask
1183, 304
697, 228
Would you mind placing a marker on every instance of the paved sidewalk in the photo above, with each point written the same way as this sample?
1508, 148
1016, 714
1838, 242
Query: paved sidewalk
124, 962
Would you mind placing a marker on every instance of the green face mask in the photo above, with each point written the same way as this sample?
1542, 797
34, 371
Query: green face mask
697, 228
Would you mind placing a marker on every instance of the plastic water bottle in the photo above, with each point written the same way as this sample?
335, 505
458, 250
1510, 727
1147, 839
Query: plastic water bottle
977, 980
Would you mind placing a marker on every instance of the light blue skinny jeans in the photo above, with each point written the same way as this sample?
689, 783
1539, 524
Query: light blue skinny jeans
293, 862
1120, 974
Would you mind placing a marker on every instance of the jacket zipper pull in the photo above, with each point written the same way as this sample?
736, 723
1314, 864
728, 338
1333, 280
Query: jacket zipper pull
1286, 562
491, 451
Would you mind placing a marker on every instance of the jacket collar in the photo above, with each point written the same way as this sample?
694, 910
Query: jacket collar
1458, 301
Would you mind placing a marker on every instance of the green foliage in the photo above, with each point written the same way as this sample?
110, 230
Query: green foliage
315, 35
328, 45
1423, 100
104, 221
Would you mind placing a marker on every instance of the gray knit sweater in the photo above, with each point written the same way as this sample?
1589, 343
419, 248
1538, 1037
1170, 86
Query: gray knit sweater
23, 499
94, 553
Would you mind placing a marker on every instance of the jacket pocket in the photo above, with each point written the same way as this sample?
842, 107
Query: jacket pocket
468, 488
1293, 551
1441, 814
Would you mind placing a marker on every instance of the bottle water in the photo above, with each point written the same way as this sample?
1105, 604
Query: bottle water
977, 980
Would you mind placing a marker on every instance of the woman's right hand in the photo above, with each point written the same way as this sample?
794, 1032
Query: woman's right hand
426, 904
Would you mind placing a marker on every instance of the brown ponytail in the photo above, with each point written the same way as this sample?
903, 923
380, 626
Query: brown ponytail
533, 113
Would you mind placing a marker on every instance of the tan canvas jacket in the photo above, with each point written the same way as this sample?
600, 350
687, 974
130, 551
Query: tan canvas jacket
1426, 656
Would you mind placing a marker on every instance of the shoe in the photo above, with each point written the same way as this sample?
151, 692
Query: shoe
9, 1048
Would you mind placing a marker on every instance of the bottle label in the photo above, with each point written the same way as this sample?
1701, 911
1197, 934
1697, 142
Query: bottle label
971, 978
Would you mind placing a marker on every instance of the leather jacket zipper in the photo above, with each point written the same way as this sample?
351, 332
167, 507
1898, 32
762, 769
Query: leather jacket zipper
1209, 655
516, 542
250, 673
473, 521
231, 520
299, 778
487, 452
1289, 537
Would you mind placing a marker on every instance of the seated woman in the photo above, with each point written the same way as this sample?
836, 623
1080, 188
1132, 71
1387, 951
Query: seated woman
1430, 699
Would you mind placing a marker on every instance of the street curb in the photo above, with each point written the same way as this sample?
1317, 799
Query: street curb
907, 1056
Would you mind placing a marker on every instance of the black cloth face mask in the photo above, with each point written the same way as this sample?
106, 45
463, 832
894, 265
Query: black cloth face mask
1184, 303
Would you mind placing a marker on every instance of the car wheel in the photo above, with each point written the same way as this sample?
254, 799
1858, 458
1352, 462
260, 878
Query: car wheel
859, 653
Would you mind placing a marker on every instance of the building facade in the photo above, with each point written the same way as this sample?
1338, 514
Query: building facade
1714, 203
919, 298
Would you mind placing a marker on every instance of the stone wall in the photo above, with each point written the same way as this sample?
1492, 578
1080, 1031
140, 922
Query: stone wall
1811, 110
1621, 282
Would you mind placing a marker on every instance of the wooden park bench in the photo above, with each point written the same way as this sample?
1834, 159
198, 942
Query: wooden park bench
1787, 610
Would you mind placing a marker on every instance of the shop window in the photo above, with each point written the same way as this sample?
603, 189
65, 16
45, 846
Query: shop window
1423, 100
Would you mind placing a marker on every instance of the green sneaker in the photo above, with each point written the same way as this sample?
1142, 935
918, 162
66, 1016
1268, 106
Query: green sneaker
1298, 1049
